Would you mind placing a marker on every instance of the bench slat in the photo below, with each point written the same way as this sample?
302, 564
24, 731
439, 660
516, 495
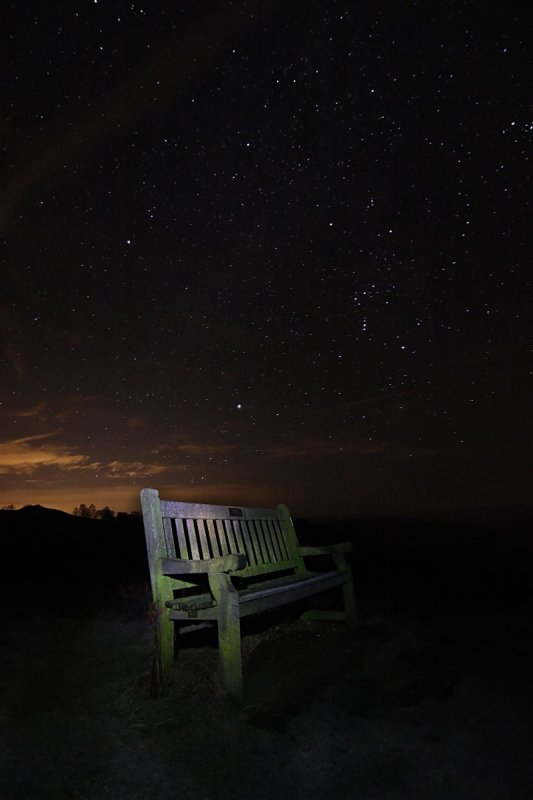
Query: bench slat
181, 539
237, 533
264, 597
270, 540
271, 558
204, 546
222, 537
287, 582
208, 531
280, 540
249, 549
230, 536
265, 569
275, 544
256, 544
169, 537
211, 536
191, 538
260, 539
269, 533
170, 508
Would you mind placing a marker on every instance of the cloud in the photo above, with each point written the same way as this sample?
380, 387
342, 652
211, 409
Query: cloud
27, 455
24, 456
133, 469
196, 449
34, 411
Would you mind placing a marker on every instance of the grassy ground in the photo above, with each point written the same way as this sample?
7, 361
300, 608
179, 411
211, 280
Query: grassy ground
407, 707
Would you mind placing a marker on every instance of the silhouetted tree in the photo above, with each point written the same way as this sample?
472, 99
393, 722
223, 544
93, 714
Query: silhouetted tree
85, 511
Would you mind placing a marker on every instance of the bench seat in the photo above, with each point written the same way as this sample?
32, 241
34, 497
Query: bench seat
259, 597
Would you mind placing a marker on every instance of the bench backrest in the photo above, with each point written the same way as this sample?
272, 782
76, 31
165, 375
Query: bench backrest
199, 531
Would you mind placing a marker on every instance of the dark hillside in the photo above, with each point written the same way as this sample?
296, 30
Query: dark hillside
55, 559
437, 567
51, 557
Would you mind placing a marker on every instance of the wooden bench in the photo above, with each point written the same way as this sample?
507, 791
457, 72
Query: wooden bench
218, 564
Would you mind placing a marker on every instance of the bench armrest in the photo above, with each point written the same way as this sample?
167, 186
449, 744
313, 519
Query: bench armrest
182, 566
328, 549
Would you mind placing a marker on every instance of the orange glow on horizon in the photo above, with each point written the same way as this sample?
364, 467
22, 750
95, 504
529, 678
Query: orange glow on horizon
126, 498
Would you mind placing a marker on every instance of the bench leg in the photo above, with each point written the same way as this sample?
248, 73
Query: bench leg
229, 634
229, 653
348, 614
347, 589
349, 603
163, 659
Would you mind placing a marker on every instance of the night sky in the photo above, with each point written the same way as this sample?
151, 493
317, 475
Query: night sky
262, 252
